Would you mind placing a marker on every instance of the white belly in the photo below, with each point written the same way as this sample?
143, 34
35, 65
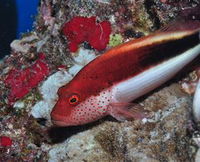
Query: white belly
148, 80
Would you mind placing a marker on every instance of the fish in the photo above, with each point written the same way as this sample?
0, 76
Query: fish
108, 84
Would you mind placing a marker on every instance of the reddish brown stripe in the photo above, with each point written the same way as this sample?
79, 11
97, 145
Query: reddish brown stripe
102, 73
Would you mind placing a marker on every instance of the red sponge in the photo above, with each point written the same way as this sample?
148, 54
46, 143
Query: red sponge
22, 81
81, 29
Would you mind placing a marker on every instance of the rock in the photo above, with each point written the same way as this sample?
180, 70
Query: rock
161, 138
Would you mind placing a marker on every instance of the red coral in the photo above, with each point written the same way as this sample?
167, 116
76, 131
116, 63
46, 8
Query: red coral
81, 29
5, 141
22, 81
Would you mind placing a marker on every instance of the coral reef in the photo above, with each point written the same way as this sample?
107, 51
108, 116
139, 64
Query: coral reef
29, 81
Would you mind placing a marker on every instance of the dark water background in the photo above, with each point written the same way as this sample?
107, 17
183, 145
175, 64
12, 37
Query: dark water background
16, 17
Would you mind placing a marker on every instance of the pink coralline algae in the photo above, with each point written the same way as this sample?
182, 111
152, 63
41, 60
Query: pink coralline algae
5, 141
22, 81
81, 29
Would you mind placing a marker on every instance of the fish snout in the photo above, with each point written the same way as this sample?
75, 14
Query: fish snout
57, 119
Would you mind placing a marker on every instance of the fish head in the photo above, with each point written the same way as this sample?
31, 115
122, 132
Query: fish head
78, 106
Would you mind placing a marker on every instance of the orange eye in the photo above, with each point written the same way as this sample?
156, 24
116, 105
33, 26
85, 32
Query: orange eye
74, 99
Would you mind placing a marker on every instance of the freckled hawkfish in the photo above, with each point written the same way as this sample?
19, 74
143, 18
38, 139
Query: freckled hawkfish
108, 84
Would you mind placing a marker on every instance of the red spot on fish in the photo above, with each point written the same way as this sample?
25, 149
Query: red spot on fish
81, 29
21, 81
5, 141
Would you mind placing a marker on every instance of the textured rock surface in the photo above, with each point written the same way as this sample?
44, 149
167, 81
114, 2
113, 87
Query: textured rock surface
166, 136
161, 138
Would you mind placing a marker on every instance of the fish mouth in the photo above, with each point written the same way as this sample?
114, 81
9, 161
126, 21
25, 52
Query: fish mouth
58, 120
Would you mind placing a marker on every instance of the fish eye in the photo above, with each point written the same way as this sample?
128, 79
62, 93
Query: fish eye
74, 99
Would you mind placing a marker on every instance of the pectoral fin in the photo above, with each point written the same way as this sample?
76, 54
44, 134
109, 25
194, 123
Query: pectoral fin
126, 111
